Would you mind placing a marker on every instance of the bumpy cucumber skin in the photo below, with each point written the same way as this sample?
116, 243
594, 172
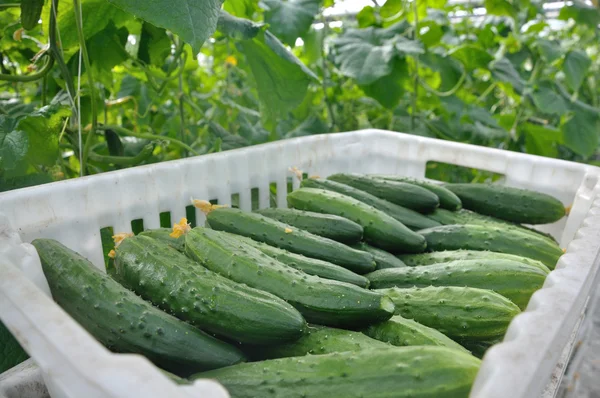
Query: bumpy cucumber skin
465, 216
448, 200
422, 259
400, 372
514, 280
123, 321
478, 348
207, 300
382, 258
380, 229
164, 235
400, 332
275, 233
321, 301
318, 340
463, 313
408, 217
311, 266
479, 237
401, 193
326, 225
508, 203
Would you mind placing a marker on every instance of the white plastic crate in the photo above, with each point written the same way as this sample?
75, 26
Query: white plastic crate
74, 365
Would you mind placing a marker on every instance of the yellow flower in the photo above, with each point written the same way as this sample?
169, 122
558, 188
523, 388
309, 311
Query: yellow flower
288, 231
181, 228
205, 206
111, 254
297, 172
231, 60
118, 238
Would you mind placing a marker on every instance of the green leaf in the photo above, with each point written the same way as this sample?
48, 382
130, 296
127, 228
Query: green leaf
155, 45
500, 7
407, 46
43, 129
281, 79
313, 41
367, 55
366, 17
549, 101
241, 8
549, 49
389, 89
194, 21
581, 13
21, 181
109, 51
311, 125
541, 140
430, 33
575, 66
471, 56
580, 133
237, 28
504, 71
290, 19
13, 143
390, 8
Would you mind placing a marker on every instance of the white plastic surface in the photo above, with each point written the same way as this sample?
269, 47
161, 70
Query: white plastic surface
74, 365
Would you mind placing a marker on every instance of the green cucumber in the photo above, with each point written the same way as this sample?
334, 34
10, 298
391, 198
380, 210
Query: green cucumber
318, 340
11, 352
164, 235
382, 258
311, 266
401, 193
399, 372
123, 321
380, 229
408, 217
479, 237
478, 348
326, 225
511, 204
464, 313
321, 301
448, 200
400, 331
205, 299
414, 260
284, 236
31, 11
465, 216
514, 280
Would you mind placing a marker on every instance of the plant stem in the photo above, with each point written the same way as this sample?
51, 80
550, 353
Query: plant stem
413, 114
324, 81
57, 55
44, 89
90, 76
33, 76
147, 136
181, 110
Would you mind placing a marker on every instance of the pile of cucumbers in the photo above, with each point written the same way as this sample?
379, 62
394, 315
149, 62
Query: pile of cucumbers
368, 285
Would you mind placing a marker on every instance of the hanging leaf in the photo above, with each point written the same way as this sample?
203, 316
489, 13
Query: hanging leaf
109, 51
549, 49
237, 28
366, 17
580, 133
548, 101
290, 19
391, 8
13, 143
194, 21
313, 43
580, 13
541, 140
500, 7
430, 33
406, 46
575, 66
471, 56
241, 8
504, 71
155, 45
281, 79
389, 89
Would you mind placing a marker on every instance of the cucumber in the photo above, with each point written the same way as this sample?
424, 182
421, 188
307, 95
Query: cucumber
403, 194
321, 301
448, 200
400, 331
511, 204
318, 340
478, 348
464, 313
465, 216
326, 225
380, 229
11, 352
382, 258
514, 280
123, 321
479, 237
284, 236
408, 217
211, 302
311, 266
31, 11
164, 235
399, 372
414, 260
